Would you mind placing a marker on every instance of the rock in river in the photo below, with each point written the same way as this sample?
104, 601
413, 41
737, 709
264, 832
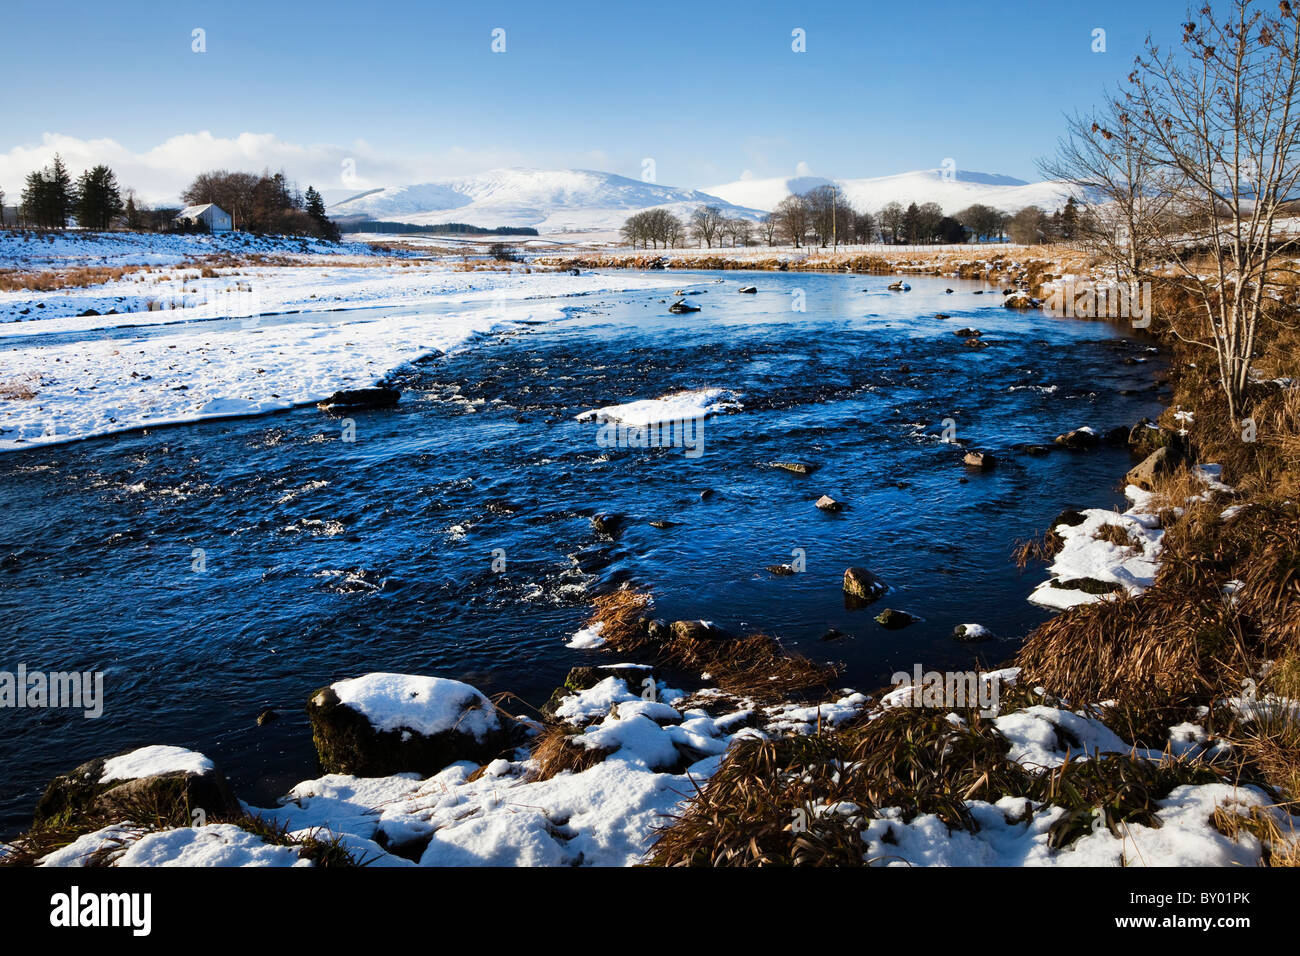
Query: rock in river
382, 724
861, 584
377, 397
164, 783
893, 620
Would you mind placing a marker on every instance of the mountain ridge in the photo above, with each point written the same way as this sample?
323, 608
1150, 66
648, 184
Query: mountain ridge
577, 200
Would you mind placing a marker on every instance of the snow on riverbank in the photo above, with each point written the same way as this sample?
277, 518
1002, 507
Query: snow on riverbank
1094, 564
1084, 557
89, 386
58, 250
654, 751
676, 407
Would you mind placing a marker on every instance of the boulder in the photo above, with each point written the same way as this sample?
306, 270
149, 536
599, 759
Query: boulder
899, 286
975, 343
967, 333
148, 783
749, 289
827, 503
1145, 437
382, 724
862, 585
795, 467
1144, 474
608, 524
781, 570
697, 631
583, 678
1070, 518
893, 620
979, 459
1079, 439
681, 306
377, 397
971, 633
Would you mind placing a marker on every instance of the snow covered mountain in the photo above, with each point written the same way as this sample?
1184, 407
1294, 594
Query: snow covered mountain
927, 185
548, 200
580, 200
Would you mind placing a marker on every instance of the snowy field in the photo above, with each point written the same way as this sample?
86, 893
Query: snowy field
201, 347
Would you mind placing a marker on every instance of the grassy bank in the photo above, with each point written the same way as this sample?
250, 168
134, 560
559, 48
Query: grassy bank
1212, 649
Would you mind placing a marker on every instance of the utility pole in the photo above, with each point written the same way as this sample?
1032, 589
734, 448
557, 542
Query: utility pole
835, 202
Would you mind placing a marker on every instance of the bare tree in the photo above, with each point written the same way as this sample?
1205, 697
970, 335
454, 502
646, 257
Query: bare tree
984, 222
1028, 227
793, 219
891, 219
1109, 162
706, 224
1222, 121
767, 227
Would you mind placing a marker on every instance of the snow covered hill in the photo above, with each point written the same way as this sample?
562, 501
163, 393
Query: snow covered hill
549, 200
579, 200
921, 186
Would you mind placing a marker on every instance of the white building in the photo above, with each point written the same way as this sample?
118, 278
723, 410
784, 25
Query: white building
209, 216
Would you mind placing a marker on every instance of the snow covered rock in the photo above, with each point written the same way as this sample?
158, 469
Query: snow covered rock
166, 782
585, 678
971, 633
381, 724
1079, 439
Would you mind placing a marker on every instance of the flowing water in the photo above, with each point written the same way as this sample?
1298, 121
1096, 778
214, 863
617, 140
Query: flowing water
326, 559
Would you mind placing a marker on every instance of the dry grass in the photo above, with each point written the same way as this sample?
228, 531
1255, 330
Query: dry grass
556, 752
51, 280
754, 665
21, 388
1276, 834
1116, 534
1041, 549
766, 803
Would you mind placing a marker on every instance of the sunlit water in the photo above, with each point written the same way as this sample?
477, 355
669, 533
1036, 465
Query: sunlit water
326, 559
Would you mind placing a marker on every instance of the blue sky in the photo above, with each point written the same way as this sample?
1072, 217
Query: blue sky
710, 90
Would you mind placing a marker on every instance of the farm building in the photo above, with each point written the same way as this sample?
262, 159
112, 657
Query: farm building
208, 216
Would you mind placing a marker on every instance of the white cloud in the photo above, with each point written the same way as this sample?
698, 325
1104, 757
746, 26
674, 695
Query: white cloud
159, 174
802, 169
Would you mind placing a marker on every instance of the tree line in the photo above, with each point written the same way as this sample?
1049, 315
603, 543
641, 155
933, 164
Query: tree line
823, 217
267, 203
51, 197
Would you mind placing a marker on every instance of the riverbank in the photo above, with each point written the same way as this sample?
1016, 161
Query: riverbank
998, 264
615, 758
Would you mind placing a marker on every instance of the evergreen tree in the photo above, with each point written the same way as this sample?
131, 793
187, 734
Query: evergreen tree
98, 199
48, 196
134, 221
1070, 219
316, 209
